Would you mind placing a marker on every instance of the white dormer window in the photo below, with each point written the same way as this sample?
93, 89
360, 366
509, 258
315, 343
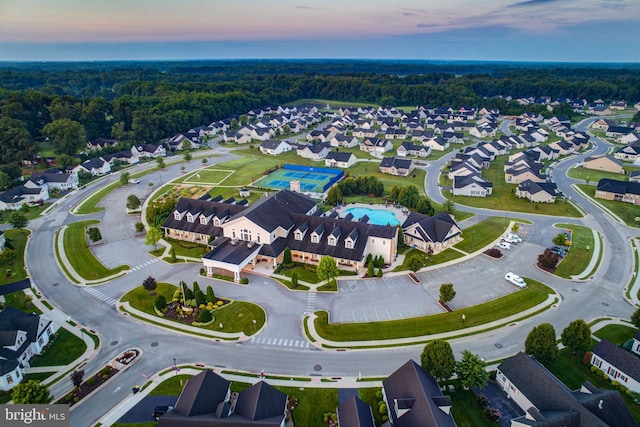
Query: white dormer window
216, 222
332, 241
315, 238
298, 235
348, 244
176, 215
203, 220
189, 217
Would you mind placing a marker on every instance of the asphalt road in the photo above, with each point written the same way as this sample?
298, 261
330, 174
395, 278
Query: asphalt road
277, 348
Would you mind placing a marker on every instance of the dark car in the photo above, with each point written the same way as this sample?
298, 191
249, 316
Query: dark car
558, 250
160, 410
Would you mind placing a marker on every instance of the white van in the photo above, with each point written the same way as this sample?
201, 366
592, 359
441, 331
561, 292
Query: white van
516, 280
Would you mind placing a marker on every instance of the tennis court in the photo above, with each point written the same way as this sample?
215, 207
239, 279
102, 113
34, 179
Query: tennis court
315, 180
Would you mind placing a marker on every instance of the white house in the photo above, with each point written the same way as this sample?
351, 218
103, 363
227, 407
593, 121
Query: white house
275, 147
313, 152
14, 198
619, 364
149, 150
376, 145
95, 167
340, 159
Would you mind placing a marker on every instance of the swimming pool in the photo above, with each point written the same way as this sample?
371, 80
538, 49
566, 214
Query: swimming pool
376, 216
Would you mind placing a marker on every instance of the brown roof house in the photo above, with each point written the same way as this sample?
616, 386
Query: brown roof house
603, 162
206, 401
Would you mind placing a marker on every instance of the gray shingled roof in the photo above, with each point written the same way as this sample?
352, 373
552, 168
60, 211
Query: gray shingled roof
353, 412
621, 359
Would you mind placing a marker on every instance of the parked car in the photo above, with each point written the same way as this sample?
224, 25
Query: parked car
515, 237
160, 410
134, 181
558, 250
515, 280
504, 245
509, 239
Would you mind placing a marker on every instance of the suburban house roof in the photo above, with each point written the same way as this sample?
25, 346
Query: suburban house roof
414, 398
261, 402
619, 358
353, 412
272, 144
12, 321
340, 156
202, 394
473, 178
432, 228
532, 187
555, 402
398, 163
618, 187
196, 207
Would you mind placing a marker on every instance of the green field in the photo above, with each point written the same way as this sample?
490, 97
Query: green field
594, 175
82, 260
514, 303
208, 176
64, 349
580, 253
627, 212
416, 177
617, 334
17, 240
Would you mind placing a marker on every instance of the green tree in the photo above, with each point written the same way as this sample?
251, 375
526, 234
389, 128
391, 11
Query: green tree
334, 196
161, 302
541, 343
18, 220
149, 283
153, 237
30, 392
76, 377
471, 370
327, 269
16, 142
409, 196
124, 178
8, 255
94, 234
447, 293
294, 279
414, 263
133, 202
576, 336
199, 297
287, 260
424, 206
635, 318
437, 359
5, 181
188, 156
210, 295
160, 162
449, 207
172, 253
139, 227
370, 269
64, 160
400, 236
560, 239
205, 316
66, 135
394, 194
244, 119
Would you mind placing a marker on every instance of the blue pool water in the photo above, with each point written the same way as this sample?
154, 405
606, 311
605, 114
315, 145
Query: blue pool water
376, 216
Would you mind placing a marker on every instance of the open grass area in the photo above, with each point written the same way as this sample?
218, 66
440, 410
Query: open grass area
32, 212
187, 249
22, 302
593, 175
482, 234
429, 260
314, 402
209, 175
503, 196
171, 386
368, 395
237, 316
82, 260
514, 303
573, 372
17, 240
373, 169
253, 165
626, 211
617, 334
90, 204
62, 350
466, 411
579, 256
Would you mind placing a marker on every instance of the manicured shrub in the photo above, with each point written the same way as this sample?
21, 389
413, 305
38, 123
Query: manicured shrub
199, 297
379, 274
205, 316
378, 394
196, 287
160, 302
91, 381
202, 271
382, 408
244, 281
105, 370
210, 295
149, 283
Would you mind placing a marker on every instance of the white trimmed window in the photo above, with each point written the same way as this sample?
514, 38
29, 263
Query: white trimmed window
245, 235
331, 240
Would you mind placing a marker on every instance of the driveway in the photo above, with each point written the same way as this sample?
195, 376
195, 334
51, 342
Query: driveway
142, 412
498, 399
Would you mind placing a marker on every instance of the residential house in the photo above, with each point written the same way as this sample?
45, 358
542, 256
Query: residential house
53, 178
548, 402
376, 145
365, 133
602, 124
182, 141
22, 336
94, 167
411, 149
353, 412
483, 131
149, 150
618, 364
472, 185
630, 138
396, 166
393, 133
628, 153
345, 141
603, 162
414, 398
315, 152
100, 143
14, 198
563, 147
618, 105
622, 191
206, 401
519, 174
237, 137
431, 234
340, 159
537, 192
634, 176
275, 147
618, 131
437, 143
126, 156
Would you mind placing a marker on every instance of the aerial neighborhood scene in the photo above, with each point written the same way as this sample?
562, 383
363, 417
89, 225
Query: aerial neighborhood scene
302, 222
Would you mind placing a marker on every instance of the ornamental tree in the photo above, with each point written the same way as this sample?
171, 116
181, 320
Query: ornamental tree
437, 359
577, 336
541, 343
471, 370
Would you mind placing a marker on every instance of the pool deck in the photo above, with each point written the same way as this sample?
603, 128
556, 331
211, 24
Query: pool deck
397, 212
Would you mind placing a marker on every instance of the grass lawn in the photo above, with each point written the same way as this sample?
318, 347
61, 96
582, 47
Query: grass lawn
254, 164
64, 349
368, 395
32, 212
373, 169
237, 316
188, 249
496, 309
170, 387
209, 176
466, 411
617, 334
483, 233
38, 376
626, 211
578, 256
83, 261
16, 239
303, 274
314, 402
573, 372
90, 204
594, 175
429, 260
21, 301
503, 196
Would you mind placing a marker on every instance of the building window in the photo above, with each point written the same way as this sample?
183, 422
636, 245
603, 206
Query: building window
189, 217
176, 215
315, 238
348, 244
216, 222
203, 220
332, 241
258, 238
9, 379
298, 235
245, 235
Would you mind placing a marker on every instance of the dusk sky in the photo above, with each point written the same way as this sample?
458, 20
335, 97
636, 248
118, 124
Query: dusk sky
502, 30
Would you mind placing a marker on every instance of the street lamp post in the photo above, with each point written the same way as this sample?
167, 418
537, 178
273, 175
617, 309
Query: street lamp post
175, 367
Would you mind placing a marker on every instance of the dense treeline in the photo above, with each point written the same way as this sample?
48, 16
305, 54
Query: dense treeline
145, 102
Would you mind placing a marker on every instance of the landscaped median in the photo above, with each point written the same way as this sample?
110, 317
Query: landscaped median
583, 248
231, 320
523, 303
76, 258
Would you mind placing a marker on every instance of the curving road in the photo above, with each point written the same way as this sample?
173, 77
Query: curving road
601, 296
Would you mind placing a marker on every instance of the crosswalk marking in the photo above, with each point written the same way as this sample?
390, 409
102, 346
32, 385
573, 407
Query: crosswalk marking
280, 342
311, 303
101, 296
144, 264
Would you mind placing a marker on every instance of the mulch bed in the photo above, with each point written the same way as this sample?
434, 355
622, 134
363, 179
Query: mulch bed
543, 268
414, 278
493, 253
445, 306
85, 389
